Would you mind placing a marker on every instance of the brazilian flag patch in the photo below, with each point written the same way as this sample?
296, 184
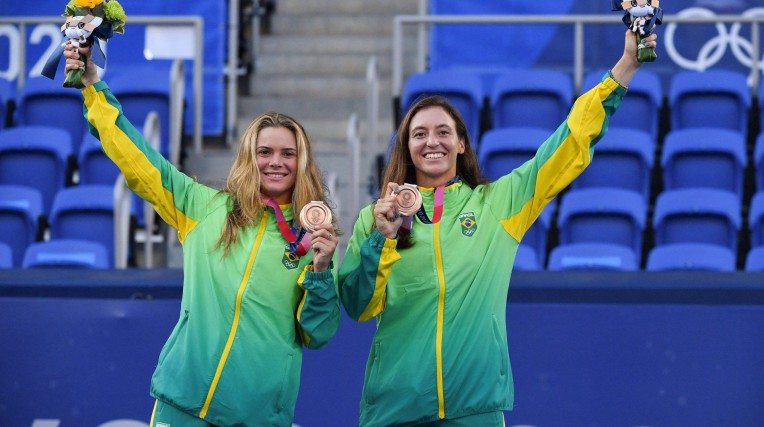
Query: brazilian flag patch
290, 260
469, 225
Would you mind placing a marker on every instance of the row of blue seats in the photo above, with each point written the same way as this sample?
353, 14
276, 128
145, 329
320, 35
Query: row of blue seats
620, 217
624, 158
63, 253
84, 212
45, 102
542, 98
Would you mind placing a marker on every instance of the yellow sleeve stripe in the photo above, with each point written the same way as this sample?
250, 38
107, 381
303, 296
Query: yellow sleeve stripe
387, 258
141, 174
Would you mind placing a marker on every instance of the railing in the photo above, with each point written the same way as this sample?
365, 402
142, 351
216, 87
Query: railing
578, 21
354, 146
372, 106
196, 22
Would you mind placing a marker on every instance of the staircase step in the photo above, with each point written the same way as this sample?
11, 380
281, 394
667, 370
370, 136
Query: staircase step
335, 44
301, 24
309, 86
350, 7
322, 64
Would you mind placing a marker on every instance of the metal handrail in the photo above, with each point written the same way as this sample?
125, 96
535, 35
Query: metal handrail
354, 145
122, 204
372, 103
152, 132
577, 20
177, 100
195, 21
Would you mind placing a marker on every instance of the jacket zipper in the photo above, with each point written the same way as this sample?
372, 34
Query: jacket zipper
439, 327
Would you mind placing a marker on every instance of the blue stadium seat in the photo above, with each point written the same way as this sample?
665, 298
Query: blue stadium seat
533, 98
93, 164
756, 219
536, 237
603, 215
755, 259
593, 256
502, 150
38, 149
139, 96
86, 213
45, 102
462, 88
6, 256
20, 210
758, 162
623, 158
691, 256
704, 158
526, 259
717, 97
640, 109
66, 253
697, 215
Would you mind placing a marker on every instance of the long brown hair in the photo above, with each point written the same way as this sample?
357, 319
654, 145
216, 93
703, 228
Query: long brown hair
400, 168
243, 183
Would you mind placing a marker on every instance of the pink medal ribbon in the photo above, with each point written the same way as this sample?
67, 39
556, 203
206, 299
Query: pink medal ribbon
422, 214
297, 244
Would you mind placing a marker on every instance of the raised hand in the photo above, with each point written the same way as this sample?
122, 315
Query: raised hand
75, 60
323, 244
386, 216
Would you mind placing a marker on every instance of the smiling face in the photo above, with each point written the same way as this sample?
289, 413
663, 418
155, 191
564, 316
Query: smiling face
277, 162
434, 146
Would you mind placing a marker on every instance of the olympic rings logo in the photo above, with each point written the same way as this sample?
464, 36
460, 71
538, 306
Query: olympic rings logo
713, 50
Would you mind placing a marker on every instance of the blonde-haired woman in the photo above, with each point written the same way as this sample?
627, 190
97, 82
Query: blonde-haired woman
257, 287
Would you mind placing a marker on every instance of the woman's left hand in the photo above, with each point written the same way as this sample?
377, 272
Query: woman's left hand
323, 244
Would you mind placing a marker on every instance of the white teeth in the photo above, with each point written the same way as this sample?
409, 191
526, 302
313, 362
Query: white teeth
434, 155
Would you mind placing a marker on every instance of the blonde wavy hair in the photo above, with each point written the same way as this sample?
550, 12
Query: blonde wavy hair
243, 183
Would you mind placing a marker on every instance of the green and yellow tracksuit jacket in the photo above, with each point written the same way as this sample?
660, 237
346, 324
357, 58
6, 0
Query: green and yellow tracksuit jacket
234, 356
440, 348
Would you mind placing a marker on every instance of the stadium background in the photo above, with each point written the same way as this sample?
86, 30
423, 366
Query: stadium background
588, 347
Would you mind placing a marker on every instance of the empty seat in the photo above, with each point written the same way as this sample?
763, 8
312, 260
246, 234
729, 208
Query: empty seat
85, 213
45, 102
94, 166
534, 98
35, 156
716, 98
502, 150
139, 96
603, 215
20, 210
691, 256
536, 237
6, 256
593, 256
526, 259
697, 215
756, 219
462, 88
623, 158
755, 259
66, 253
640, 110
705, 158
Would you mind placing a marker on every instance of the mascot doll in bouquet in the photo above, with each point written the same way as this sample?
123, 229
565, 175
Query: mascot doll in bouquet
88, 22
641, 17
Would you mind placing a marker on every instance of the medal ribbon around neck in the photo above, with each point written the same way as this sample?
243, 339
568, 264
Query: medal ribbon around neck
437, 209
298, 244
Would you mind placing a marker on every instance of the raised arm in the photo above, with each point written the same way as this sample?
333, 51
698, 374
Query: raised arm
518, 198
179, 200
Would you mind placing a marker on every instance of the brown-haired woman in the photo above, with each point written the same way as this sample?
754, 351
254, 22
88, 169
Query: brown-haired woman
257, 287
437, 281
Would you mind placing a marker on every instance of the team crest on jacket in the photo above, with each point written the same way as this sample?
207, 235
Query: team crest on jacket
469, 225
290, 259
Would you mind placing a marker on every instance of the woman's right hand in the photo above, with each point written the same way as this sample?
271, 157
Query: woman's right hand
386, 217
74, 60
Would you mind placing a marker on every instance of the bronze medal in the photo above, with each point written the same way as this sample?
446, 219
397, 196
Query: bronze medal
408, 199
315, 214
